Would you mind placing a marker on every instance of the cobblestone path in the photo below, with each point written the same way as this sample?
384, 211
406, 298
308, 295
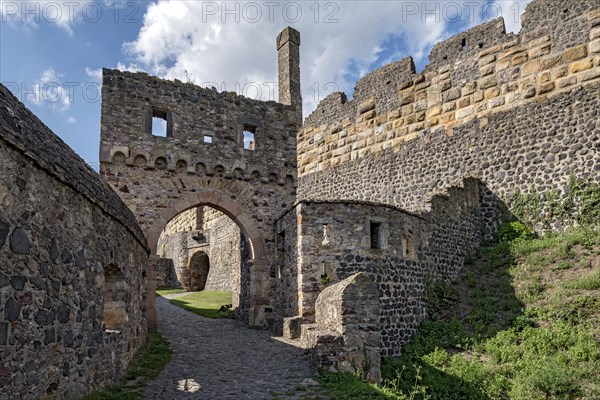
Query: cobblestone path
222, 359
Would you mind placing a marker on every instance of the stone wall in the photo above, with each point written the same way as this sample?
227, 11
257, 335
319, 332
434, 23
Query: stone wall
345, 336
224, 253
527, 117
179, 247
190, 220
515, 112
165, 273
217, 236
72, 271
335, 242
523, 116
287, 269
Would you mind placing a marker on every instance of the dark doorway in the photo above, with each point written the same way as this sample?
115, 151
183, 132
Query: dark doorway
199, 267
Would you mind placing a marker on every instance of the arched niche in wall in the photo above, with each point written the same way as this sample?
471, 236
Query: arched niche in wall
114, 315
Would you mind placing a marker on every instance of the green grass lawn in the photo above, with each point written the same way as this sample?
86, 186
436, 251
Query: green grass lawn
145, 366
521, 322
167, 291
206, 303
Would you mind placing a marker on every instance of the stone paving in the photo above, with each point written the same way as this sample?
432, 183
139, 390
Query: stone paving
223, 359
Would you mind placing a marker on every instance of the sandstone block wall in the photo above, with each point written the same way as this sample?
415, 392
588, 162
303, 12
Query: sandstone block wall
72, 263
515, 111
190, 220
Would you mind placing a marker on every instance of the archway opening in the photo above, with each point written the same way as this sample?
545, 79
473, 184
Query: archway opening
199, 266
207, 252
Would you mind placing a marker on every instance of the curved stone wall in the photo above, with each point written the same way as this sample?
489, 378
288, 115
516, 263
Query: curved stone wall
72, 267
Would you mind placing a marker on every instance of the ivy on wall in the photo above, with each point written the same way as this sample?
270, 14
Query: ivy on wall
581, 204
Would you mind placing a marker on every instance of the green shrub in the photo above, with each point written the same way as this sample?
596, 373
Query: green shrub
514, 230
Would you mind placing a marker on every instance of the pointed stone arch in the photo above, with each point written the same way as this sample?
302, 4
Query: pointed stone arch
258, 262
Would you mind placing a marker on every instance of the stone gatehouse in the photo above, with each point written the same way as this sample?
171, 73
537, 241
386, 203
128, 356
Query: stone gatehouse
203, 160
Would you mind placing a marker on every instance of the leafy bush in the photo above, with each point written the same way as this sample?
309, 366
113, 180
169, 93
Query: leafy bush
514, 230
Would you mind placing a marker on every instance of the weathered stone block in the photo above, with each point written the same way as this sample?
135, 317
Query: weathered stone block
589, 75
496, 102
487, 60
595, 46
487, 70
464, 102
550, 61
488, 82
582, 65
530, 67
519, 59
503, 64
435, 111
574, 53
291, 327
560, 72
465, 112
19, 242
539, 41
492, 92
546, 87
571, 80
539, 52
469, 88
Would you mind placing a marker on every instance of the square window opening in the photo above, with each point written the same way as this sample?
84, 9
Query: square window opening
376, 235
159, 127
162, 125
208, 139
249, 139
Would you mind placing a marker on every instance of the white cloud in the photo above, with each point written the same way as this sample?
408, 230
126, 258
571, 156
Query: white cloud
50, 91
71, 120
29, 14
94, 74
202, 41
512, 12
130, 67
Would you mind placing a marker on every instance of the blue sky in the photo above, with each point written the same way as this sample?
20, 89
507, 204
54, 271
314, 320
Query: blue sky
59, 47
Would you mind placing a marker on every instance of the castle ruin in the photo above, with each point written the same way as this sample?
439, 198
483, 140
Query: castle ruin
316, 226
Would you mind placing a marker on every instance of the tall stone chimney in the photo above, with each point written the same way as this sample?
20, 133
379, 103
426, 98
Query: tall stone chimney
288, 48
